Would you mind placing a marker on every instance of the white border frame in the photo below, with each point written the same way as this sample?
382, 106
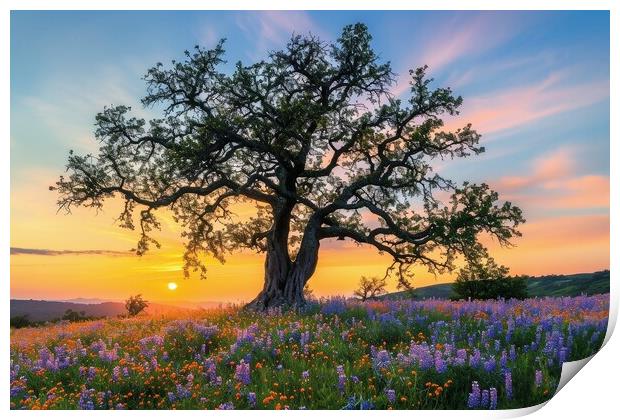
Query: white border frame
593, 393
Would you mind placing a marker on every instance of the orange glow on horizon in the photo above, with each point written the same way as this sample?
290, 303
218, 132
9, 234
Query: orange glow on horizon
557, 245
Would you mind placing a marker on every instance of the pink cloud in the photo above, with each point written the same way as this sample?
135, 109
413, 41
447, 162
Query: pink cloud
551, 183
274, 28
455, 40
590, 191
518, 106
544, 170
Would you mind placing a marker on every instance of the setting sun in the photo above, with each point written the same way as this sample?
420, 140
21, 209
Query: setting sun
172, 286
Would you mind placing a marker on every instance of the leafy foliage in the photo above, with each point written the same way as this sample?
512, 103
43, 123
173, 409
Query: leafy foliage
314, 138
135, 305
21, 321
309, 293
482, 278
370, 288
75, 316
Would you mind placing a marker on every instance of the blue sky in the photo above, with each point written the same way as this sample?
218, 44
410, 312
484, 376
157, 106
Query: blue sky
77, 62
535, 85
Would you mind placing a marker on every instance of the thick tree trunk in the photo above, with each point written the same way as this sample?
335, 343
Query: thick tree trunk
285, 280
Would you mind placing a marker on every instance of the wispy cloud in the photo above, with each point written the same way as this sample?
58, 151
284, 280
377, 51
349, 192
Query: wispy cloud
461, 37
553, 182
549, 168
517, 106
269, 29
56, 252
66, 107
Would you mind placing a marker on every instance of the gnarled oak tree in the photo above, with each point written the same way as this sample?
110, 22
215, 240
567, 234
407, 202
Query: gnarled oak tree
314, 138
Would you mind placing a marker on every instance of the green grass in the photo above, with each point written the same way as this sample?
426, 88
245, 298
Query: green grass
543, 286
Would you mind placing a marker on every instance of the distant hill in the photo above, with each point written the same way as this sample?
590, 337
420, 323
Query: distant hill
87, 300
43, 310
551, 285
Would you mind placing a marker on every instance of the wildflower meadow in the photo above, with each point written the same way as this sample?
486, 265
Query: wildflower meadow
336, 354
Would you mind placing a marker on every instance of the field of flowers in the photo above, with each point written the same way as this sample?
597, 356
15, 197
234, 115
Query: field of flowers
337, 354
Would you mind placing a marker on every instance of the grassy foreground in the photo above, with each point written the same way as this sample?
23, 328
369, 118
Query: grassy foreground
337, 354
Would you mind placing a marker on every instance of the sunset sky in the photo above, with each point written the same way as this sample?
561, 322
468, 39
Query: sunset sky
535, 85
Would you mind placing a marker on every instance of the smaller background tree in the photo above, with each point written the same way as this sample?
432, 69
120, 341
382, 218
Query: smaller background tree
74, 316
21, 321
370, 288
135, 305
483, 278
309, 293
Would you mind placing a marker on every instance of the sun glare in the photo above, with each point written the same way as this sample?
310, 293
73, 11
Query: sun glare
172, 286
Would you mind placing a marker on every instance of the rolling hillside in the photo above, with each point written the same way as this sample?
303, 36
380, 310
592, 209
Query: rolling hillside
43, 310
552, 285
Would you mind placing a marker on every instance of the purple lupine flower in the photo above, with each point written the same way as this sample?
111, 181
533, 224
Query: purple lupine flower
92, 372
305, 375
484, 401
391, 395
242, 372
492, 398
503, 361
489, 364
116, 373
562, 355
538, 378
304, 339
16, 389
182, 392
86, 400
98, 346
149, 345
402, 360
440, 364
210, 370
474, 359
473, 401
342, 378
252, 399
14, 371
108, 355
62, 357
508, 384
382, 359
207, 331
421, 353
226, 406
247, 335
